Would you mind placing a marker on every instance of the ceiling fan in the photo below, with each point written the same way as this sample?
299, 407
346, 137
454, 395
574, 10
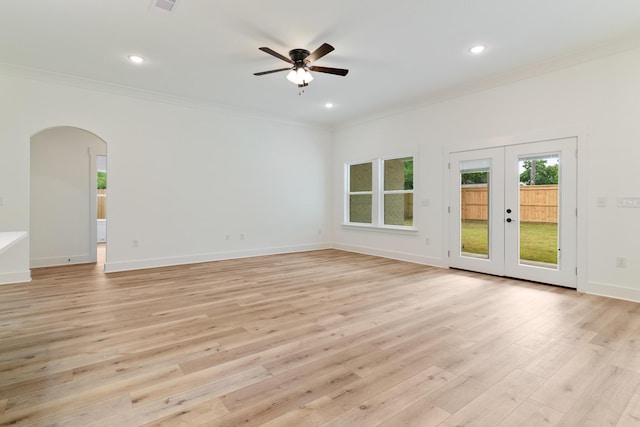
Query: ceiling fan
301, 60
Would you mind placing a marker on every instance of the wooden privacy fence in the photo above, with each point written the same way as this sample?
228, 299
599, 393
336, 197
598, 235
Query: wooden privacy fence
538, 203
102, 204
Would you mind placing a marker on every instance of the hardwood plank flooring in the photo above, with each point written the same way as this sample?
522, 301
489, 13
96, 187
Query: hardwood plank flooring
324, 338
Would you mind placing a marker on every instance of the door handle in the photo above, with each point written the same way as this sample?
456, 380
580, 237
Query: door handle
508, 210
508, 219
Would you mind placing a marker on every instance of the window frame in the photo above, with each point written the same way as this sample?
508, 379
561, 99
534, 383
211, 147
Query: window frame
377, 195
384, 192
349, 193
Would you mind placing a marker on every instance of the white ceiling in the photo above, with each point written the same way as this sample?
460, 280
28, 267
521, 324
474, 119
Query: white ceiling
398, 52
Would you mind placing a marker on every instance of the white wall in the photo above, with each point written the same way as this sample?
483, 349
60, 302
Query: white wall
63, 196
599, 100
211, 174
13, 268
181, 178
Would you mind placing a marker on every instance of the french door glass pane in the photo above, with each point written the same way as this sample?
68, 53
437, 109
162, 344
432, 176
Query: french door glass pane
474, 208
539, 203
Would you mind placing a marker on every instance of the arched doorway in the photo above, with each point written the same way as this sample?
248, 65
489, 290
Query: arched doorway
63, 192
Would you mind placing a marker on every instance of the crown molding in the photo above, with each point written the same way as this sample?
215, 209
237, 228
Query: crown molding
84, 83
609, 48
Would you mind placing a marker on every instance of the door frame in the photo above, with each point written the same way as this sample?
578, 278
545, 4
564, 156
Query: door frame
580, 132
91, 255
494, 263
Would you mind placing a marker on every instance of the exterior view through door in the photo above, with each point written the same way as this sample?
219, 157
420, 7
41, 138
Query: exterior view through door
513, 211
101, 179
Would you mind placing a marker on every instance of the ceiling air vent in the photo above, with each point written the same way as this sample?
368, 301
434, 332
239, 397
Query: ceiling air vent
163, 5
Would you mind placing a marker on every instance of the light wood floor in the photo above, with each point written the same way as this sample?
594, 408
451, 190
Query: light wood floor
318, 338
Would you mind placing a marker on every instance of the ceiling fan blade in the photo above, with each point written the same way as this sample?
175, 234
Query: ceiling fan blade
262, 73
329, 70
276, 54
319, 52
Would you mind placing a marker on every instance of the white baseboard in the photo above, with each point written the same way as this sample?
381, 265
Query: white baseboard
61, 260
612, 291
112, 267
400, 256
16, 277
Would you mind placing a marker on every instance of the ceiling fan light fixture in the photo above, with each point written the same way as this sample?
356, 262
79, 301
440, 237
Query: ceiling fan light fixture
292, 76
299, 76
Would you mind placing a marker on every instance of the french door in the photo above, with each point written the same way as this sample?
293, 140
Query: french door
513, 211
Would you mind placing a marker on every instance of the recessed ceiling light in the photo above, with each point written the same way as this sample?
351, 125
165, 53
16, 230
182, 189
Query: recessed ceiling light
328, 105
136, 59
477, 49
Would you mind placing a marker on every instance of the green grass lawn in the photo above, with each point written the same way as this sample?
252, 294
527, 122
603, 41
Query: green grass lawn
475, 237
539, 241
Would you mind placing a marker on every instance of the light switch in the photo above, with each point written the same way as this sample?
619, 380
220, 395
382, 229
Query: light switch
602, 202
629, 202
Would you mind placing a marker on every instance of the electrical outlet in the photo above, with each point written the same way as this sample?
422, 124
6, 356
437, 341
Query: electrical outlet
621, 262
427, 241
227, 237
241, 236
602, 202
134, 243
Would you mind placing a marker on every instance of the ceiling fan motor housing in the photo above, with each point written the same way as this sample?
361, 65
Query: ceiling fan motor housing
298, 56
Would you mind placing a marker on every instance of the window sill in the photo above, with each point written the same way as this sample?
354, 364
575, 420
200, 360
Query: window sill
381, 229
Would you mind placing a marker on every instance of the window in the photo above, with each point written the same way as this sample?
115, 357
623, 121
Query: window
380, 193
398, 192
360, 192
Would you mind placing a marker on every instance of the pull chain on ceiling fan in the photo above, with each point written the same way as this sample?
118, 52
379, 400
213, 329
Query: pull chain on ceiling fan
301, 60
